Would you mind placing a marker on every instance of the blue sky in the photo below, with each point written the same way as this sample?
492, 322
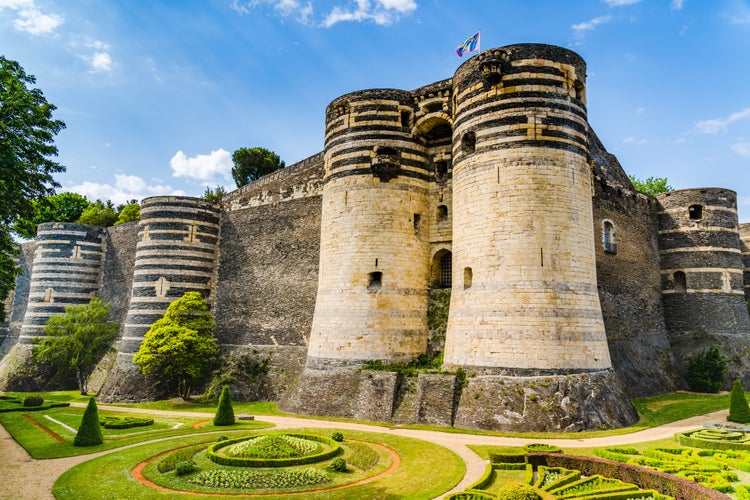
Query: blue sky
157, 94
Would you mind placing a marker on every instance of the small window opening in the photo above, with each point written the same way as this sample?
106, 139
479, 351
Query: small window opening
386, 151
469, 142
417, 223
696, 212
446, 270
405, 119
376, 281
441, 169
680, 282
493, 78
468, 277
433, 107
442, 213
608, 237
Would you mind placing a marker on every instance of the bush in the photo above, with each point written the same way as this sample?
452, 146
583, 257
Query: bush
90, 432
33, 401
531, 447
516, 491
739, 411
337, 465
224, 412
221, 438
184, 467
337, 436
125, 422
169, 462
706, 370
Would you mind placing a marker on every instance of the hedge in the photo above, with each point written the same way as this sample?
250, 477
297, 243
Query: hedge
272, 462
678, 488
510, 456
125, 422
45, 406
688, 439
471, 495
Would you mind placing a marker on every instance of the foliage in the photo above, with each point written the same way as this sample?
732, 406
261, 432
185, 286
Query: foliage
337, 436
214, 195
89, 433
77, 340
273, 446
63, 207
548, 448
99, 213
184, 467
248, 370
261, 479
422, 364
739, 411
33, 401
706, 370
169, 462
125, 422
224, 412
179, 348
27, 132
129, 213
363, 457
251, 164
261, 451
651, 186
516, 491
338, 464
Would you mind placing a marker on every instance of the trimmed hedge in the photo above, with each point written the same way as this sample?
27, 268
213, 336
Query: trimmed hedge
739, 411
549, 448
125, 422
33, 401
510, 456
89, 432
224, 412
272, 462
471, 495
702, 438
45, 406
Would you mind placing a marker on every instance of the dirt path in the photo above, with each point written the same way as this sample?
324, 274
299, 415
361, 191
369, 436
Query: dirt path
22, 477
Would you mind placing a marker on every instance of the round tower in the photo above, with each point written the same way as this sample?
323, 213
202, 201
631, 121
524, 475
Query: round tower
372, 299
524, 299
703, 290
745, 246
66, 272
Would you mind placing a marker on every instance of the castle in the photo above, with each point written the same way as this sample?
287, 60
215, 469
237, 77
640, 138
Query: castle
479, 217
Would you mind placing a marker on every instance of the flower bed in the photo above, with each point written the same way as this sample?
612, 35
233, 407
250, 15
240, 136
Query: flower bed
265, 456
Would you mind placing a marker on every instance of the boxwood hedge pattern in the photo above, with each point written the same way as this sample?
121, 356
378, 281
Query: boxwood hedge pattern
329, 449
261, 479
124, 422
715, 438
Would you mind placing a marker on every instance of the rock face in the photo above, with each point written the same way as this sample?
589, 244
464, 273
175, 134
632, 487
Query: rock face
477, 221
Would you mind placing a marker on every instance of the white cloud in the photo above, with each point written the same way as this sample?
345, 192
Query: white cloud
716, 125
633, 140
581, 28
620, 3
302, 12
204, 168
381, 12
741, 148
127, 187
676, 4
31, 19
101, 61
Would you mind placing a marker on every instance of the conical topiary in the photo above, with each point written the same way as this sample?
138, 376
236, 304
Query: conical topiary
225, 412
739, 411
90, 431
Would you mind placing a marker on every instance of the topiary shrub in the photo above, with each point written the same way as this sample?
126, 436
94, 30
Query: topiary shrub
706, 370
337, 436
224, 412
33, 401
739, 411
184, 467
337, 465
516, 491
90, 432
221, 438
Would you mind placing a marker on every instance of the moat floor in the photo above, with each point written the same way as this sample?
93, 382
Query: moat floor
29, 479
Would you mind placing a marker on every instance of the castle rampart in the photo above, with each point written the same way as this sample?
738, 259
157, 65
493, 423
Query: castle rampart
745, 247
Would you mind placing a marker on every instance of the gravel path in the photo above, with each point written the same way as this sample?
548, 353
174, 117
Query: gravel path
22, 477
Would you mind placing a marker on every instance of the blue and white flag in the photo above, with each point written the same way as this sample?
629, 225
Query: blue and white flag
470, 45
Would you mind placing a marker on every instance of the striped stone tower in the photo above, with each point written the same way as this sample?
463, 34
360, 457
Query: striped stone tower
703, 290
524, 298
66, 272
745, 246
374, 251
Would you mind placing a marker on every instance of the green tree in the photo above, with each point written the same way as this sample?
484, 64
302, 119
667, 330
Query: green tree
99, 213
706, 370
214, 195
179, 348
651, 186
739, 411
90, 431
63, 207
253, 163
77, 340
128, 213
224, 411
27, 132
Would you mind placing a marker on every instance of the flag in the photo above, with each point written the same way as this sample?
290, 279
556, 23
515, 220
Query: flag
469, 45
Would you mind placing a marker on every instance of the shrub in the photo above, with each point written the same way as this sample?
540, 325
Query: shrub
221, 438
125, 422
739, 411
542, 447
184, 467
337, 436
90, 432
516, 491
220, 458
169, 462
706, 370
261, 479
33, 401
224, 412
337, 465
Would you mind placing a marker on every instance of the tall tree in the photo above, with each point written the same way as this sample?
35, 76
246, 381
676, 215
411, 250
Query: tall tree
27, 132
99, 213
63, 207
651, 186
128, 213
78, 339
179, 348
214, 195
253, 163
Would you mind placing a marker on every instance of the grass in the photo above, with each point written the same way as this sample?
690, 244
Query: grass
426, 471
40, 444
